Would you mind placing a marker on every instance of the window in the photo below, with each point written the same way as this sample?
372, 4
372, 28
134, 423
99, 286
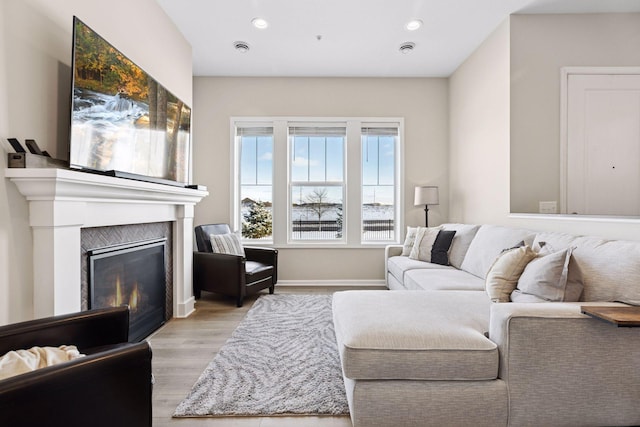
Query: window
256, 181
317, 187
299, 181
378, 183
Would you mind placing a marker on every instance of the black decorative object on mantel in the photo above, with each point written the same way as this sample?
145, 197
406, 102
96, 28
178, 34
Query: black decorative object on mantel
35, 159
33, 147
16, 145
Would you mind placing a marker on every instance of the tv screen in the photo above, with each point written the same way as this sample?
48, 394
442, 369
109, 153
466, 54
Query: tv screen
123, 120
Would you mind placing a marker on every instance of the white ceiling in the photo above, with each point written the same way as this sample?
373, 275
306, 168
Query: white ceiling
359, 38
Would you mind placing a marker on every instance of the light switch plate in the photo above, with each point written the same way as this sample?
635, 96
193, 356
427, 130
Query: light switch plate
550, 207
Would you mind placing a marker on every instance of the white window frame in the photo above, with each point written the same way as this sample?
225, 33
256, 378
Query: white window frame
370, 125
236, 207
291, 183
352, 179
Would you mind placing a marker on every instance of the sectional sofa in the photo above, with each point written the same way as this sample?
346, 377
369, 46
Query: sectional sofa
446, 354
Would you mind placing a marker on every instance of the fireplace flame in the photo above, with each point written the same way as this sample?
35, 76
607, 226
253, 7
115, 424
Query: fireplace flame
118, 292
133, 298
122, 297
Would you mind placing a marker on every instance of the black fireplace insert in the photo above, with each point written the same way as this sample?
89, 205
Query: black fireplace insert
131, 274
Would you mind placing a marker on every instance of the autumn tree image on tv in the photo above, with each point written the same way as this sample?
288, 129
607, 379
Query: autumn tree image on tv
123, 119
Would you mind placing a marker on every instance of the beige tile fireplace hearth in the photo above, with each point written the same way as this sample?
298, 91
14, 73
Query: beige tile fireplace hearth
62, 202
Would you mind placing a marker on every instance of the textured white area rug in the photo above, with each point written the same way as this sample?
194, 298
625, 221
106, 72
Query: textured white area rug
281, 360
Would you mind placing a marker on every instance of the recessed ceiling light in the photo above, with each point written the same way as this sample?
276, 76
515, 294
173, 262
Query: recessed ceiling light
241, 47
413, 25
260, 23
407, 47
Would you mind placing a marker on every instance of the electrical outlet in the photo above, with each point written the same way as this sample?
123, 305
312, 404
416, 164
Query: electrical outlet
549, 207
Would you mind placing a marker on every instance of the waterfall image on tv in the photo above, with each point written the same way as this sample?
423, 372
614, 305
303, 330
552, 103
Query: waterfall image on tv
123, 120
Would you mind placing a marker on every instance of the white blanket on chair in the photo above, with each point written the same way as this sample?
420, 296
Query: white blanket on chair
20, 361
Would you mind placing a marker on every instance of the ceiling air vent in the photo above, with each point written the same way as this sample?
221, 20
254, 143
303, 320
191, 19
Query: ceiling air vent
241, 47
407, 47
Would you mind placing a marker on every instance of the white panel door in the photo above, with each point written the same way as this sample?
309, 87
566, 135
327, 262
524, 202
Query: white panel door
603, 145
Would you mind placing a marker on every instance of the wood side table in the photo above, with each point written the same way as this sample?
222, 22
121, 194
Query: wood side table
619, 316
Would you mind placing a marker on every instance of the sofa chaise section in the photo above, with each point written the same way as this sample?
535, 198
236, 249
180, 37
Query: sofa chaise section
555, 365
417, 365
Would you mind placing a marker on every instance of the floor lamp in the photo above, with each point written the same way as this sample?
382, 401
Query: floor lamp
426, 195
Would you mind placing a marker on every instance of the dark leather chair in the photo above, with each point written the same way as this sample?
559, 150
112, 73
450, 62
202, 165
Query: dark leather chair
110, 386
232, 275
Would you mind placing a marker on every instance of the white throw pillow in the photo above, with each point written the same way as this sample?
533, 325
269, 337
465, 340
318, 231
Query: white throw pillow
226, 244
506, 270
425, 238
408, 240
545, 279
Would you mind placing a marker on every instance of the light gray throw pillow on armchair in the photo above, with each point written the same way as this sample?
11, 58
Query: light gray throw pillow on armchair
227, 244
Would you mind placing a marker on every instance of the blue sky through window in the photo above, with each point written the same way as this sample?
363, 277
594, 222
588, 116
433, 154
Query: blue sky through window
257, 160
318, 159
256, 168
378, 169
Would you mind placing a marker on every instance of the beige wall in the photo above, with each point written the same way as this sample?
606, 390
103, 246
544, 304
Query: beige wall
35, 81
479, 141
479, 133
422, 103
540, 46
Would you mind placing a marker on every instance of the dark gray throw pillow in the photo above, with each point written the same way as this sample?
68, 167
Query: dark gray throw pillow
440, 249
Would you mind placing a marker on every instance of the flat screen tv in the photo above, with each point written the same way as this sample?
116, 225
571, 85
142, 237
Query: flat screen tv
123, 122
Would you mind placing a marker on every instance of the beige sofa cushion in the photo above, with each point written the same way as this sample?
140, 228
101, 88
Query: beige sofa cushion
422, 335
398, 266
447, 278
610, 269
488, 243
554, 242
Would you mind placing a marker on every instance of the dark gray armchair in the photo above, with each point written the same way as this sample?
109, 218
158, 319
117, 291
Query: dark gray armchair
110, 386
232, 275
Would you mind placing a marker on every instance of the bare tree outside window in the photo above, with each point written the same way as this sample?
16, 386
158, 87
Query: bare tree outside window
318, 203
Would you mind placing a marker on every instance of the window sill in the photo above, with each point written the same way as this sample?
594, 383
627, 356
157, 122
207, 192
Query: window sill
377, 245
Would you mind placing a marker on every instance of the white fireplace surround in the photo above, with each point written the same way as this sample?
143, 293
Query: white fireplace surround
63, 201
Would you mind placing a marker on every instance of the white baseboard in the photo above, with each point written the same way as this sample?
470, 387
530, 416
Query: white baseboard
185, 309
345, 283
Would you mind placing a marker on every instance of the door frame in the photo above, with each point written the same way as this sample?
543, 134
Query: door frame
565, 73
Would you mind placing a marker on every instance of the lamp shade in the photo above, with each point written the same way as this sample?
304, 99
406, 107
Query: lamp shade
426, 195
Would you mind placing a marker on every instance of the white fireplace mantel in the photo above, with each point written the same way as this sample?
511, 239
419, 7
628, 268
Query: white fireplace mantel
62, 201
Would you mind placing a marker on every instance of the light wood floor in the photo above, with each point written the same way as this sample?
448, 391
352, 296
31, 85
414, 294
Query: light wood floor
182, 348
